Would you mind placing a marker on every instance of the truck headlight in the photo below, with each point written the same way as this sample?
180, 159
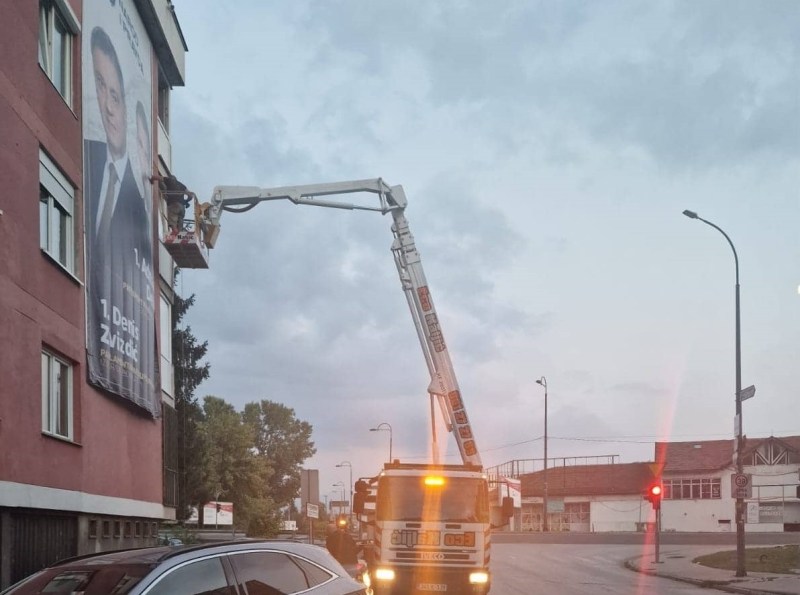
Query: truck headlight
478, 578
384, 574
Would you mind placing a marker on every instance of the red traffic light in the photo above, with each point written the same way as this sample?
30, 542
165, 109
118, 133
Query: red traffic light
653, 494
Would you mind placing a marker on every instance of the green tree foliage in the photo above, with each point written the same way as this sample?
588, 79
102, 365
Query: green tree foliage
252, 459
282, 440
232, 471
187, 354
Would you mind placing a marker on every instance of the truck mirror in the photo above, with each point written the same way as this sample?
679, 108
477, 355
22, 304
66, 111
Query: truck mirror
508, 507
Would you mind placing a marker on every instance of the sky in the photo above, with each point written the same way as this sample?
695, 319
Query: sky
547, 150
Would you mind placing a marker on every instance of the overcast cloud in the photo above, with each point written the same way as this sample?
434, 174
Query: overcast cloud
547, 151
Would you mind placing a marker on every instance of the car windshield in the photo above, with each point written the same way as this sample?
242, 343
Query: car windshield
111, 579
458, 500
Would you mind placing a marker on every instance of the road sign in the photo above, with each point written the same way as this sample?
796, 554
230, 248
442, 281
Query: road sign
741, 485
747, 393
312, 510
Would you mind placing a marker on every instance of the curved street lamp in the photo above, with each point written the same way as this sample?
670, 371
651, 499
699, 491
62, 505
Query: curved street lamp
341, 485
740, 546
383, 426
543, 381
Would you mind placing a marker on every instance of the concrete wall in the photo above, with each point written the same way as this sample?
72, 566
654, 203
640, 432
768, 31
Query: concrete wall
620, 513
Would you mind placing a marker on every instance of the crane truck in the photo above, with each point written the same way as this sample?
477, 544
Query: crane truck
428, 524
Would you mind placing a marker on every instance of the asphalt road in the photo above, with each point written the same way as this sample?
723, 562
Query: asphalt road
592, 563
574, 569
723, 539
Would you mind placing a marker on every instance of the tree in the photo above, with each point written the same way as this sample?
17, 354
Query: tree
187, 354
231, 469
284, 441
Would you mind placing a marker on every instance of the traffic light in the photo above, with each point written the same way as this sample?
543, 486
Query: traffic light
653, 494
360, 497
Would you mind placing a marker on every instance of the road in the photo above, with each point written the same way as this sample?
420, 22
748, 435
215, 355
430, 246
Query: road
592, 563
724, 540
562, 569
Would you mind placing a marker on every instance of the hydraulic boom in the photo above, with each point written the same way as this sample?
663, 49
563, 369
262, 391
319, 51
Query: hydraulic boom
443, 386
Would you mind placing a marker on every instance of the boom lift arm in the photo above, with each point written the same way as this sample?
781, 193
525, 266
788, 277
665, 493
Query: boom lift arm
443, 386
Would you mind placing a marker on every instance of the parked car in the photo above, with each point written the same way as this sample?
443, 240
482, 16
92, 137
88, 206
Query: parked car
167, 540
231, 568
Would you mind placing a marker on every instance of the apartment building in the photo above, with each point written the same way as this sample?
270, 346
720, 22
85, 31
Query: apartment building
87, 423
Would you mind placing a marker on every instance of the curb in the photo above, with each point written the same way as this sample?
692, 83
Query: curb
726, 586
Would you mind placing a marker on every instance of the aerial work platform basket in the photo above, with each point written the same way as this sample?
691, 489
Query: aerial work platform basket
187, 249
187, 246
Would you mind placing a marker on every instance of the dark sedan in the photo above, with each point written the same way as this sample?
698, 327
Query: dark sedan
234, 568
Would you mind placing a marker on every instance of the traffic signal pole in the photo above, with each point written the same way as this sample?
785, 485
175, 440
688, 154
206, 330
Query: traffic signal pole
653, 494
658, 535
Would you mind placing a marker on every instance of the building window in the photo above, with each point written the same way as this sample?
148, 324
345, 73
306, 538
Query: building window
93, 529
163, 103
165, 326
56, 396
705, 488
117, 528
57, 30
56, 208
106, 529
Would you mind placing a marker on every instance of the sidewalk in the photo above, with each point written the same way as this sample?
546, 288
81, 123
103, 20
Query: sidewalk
676, 563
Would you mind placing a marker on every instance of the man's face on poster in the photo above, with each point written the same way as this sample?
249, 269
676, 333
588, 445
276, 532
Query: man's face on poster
111, 102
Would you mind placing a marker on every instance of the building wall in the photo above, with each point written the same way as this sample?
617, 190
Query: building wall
620, 513
112, 468
698, 515
117, 450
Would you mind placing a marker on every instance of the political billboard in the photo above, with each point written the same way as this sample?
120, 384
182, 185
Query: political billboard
118, 161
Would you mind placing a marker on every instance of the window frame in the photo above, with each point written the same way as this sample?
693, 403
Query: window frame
693, 488
56, 16
52, 399
56, 214
231, 586
165, 346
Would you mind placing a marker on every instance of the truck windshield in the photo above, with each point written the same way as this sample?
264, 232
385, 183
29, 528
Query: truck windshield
459, 500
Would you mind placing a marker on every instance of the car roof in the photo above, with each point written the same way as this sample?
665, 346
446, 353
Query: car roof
157, 555
164, 557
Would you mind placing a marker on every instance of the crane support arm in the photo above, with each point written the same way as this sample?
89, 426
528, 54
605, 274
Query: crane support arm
392, 199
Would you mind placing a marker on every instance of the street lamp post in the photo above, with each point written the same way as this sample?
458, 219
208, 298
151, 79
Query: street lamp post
341, 485
350, 466
385, 426
543, 381
740, 545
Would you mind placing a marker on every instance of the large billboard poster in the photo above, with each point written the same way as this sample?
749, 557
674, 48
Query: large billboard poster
117, 161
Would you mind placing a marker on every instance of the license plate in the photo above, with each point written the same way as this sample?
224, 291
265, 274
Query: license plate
431, 587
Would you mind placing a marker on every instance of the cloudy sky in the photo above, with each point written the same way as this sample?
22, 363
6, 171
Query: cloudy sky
547, 150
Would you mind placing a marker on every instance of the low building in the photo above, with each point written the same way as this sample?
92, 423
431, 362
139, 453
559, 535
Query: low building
697, 479
592, 498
